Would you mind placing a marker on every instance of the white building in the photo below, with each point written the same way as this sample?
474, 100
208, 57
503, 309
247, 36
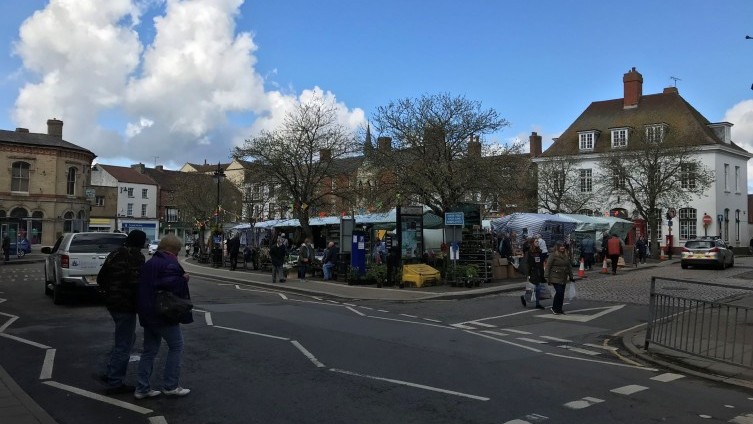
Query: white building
613, 124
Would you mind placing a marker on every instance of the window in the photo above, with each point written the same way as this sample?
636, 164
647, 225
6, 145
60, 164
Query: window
737, 225
171, 214
130, 191
726, 177
688, 222
618, 180
687, 175
655, 133
144, 193
586, 140
129, 210
20, 177
68, 222
737, 179
586, 181
99, 200
143, 211
271, 190
70, 187
726, 225
619, 137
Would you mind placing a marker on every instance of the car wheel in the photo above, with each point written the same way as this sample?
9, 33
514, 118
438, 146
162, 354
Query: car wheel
732, 262
47, 289
21, 254
683, 265
722, 265
58, 297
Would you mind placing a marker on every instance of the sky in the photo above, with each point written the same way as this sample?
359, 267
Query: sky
173, 81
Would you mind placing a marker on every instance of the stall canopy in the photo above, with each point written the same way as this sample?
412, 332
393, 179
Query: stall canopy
600, 225
382, 221
551, 227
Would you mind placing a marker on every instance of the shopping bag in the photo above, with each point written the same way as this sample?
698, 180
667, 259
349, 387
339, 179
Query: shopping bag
530, 286
542, 292
572, 292
533, 296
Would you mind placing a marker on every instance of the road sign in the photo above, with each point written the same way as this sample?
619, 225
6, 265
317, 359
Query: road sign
706, 219
669, 223
454, 218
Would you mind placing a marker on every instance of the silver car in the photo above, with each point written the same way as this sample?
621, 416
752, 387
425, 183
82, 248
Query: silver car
707, 251
74, 261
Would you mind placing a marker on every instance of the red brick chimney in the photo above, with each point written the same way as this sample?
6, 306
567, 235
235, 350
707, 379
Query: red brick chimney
384, 143
55, 128
534, 140
474, 147
633, 83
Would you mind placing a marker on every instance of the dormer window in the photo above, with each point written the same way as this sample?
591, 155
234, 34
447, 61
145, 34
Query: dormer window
586, 140
655, 133
619, 138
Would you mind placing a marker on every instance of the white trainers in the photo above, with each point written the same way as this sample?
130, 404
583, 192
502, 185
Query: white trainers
149, 394
178, 391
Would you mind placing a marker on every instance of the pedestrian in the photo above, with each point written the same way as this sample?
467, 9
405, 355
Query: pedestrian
614, 250
119, 280
305, 255
277, 257
542, 247
640, 249
751, 245
6, 248
330, 259
604, 240
505, 246
233, 248
587, 249
162, 272
558, 272
535, 271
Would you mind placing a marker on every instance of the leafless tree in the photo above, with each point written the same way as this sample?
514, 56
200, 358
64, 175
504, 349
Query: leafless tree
300, 155
195, 196
559, 186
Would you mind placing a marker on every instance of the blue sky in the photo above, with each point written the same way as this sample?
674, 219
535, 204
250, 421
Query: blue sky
187, 80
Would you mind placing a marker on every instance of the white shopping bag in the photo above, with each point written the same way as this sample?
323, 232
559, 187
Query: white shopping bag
572, 292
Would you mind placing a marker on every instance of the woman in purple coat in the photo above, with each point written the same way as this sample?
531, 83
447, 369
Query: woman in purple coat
162, 272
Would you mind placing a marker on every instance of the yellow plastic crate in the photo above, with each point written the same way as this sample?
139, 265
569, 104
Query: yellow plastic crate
419, 275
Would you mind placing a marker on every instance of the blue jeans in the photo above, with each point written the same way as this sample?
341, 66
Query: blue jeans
152, 338
125, 335
327, 269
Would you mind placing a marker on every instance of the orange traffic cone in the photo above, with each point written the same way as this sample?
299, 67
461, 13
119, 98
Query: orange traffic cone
582, 269
604, 269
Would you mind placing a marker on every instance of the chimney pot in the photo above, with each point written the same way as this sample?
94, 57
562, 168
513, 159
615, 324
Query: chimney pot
55, 128
668, 90
159, 168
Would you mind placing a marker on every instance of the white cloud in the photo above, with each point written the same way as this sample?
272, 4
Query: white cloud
171, 98
741, 115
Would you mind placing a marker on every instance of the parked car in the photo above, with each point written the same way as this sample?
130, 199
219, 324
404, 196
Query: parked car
74, 261
23, 246
707, 251
153, 246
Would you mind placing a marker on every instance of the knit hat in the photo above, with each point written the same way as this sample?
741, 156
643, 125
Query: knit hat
136, 238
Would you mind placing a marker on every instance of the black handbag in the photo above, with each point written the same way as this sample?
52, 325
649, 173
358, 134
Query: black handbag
171, 307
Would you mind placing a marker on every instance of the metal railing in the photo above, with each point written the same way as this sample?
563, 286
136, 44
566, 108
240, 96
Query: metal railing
709, 320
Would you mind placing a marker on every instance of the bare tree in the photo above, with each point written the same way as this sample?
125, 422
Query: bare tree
195, 196
559, 186
300, 155
658, 175
436, 154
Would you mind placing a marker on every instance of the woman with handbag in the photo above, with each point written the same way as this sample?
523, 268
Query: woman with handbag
535, 272
162, 273
558, 271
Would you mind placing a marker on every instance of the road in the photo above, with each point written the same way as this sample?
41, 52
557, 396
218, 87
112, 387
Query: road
260, 356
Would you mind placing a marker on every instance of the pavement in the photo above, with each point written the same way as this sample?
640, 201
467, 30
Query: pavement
18, 408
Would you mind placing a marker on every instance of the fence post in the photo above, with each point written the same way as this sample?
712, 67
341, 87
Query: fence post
651, 312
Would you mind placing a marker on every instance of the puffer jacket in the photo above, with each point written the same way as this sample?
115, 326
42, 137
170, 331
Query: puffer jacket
558, 268
161, 272
119, 278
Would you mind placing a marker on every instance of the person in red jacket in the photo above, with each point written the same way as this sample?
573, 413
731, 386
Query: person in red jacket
614, 250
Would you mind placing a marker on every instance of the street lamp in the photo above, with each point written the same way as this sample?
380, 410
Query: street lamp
218, 176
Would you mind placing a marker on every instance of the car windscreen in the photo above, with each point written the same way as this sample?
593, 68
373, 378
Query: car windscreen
699, 244
96, 243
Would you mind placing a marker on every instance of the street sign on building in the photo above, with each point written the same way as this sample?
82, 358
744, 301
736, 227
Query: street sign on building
454, 218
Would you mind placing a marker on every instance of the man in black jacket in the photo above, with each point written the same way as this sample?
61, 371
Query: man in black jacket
233, 247
119, 279
277, 256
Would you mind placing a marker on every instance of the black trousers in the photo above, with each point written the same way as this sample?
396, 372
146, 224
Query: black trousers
559, 297
614, 259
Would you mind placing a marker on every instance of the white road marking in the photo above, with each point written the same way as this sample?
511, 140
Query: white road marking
10, 321
496, 333
579, 350
356, 311
463, 327
504, 341
367, 308
252, 333
283, 296
526, 339
512, 330
410, 322
667, 377
432, 320
572, 316
609, 348
157, 420
208, 319
629, 389
742, 419
705, 416
583, 403
577, 358
556, 339
382, 310
308, 354
333, 301
49, 361
729, 406
409, 316
29, 342
409, 384
98, 397
478, 323
628, 329
535, 418
350, 304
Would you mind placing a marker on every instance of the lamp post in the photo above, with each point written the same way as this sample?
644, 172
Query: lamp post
218, 176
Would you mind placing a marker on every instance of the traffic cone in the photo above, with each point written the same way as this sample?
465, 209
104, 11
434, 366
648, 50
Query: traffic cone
604, 269
582, 269
662, 257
